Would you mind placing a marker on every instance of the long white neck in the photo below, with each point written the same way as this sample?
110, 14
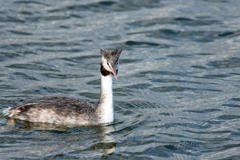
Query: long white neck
105, 108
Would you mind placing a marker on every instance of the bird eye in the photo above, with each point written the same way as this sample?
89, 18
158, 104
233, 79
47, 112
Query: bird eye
108, 65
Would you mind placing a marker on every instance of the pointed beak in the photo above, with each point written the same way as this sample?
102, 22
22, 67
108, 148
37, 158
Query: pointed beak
114, 73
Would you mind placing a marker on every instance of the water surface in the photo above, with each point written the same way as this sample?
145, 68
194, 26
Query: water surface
177, 92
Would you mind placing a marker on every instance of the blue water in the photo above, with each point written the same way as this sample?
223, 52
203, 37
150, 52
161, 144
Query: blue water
177, 95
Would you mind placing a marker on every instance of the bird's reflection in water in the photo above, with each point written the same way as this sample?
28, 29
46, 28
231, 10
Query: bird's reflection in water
71, 139
106, 141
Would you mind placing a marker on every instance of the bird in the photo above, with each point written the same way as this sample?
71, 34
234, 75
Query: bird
71, 111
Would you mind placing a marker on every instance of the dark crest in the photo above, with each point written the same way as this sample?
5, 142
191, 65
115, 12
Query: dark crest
111, 56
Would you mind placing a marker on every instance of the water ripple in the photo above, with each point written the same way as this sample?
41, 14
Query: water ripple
11, 19
233, 62
136, 44
109, 6
199, 36
182, 21
65, 76
52, 44
32, 67
30, 2
20, 32
25, 76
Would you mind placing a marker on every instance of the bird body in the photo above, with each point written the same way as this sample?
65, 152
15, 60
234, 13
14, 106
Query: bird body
70, 111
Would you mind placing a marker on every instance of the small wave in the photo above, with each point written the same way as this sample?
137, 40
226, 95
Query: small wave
31, 67
177, 21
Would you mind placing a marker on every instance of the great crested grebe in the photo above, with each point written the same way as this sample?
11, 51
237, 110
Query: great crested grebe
64, 111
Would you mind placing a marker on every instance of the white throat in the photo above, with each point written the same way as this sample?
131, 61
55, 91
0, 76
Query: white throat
105, 108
